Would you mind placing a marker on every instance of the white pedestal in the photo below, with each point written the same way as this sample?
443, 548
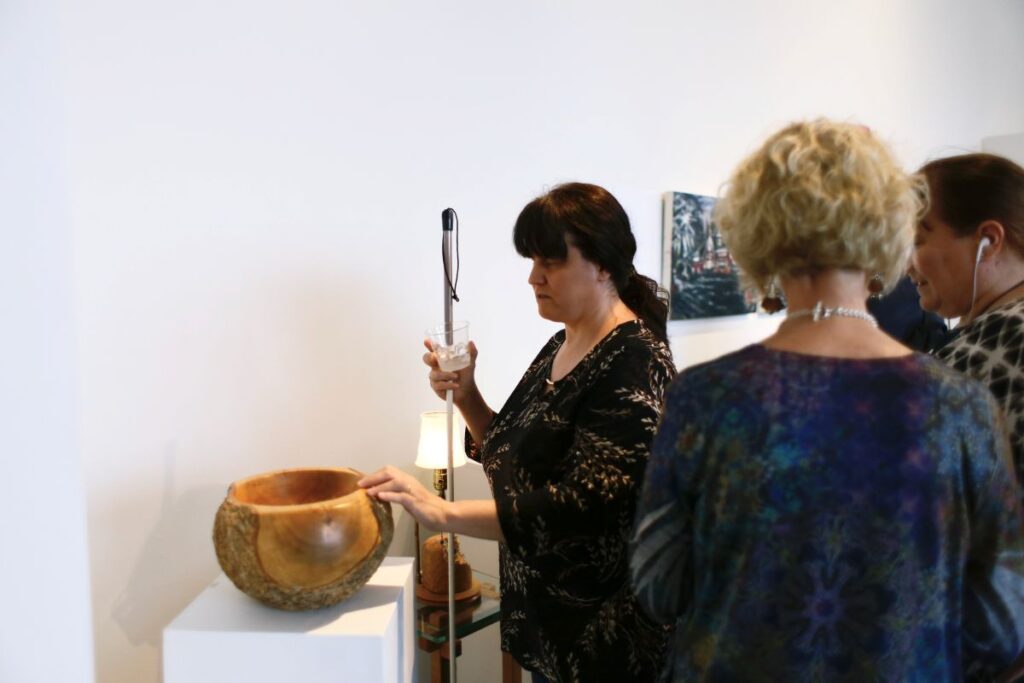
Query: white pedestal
225, 636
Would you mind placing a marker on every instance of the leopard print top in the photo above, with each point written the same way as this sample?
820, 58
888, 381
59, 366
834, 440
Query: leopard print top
991, 349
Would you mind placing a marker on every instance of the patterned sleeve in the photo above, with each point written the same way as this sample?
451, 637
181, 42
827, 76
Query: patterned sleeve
660, 562
993, 621
595, 496
471, 446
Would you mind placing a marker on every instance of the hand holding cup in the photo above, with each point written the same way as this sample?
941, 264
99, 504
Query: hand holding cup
451, 358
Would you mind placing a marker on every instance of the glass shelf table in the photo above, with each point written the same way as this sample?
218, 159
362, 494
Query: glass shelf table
470, 616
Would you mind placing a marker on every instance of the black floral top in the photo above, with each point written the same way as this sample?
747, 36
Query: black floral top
565, 464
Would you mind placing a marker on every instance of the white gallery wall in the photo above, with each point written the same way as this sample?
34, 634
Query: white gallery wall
254, 192
45, 623
1010, 146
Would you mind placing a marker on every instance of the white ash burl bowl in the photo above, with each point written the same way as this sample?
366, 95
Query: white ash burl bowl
302, 538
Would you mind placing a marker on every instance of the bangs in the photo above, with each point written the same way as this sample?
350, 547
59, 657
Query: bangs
537, 234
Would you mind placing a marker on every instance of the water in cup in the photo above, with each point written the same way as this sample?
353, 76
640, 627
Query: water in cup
451, 344
454, 357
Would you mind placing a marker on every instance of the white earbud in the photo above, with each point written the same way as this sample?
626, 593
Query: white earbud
985, 242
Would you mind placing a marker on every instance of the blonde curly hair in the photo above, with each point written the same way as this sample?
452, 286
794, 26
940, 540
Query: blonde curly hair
820, 195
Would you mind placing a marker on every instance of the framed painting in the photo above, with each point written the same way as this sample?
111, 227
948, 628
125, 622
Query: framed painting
697, 270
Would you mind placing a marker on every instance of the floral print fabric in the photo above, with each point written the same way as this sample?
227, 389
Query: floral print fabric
820, 519
565, 463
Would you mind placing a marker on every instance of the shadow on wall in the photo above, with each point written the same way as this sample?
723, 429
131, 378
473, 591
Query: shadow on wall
160, 586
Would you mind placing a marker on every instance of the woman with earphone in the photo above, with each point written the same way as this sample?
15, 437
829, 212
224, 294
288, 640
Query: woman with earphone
968, 263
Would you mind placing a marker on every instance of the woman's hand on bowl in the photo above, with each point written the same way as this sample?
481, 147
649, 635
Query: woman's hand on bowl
392, 485
461, 383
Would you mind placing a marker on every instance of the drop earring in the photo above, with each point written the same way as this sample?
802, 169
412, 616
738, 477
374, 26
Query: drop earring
875, 286
772, 301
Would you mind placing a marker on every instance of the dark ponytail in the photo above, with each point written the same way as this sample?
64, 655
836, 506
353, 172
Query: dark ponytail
649, 301
592, 219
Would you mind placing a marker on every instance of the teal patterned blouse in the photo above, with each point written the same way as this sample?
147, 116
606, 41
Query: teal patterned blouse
806, 518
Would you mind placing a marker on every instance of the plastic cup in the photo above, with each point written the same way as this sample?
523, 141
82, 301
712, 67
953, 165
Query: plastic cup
451, 344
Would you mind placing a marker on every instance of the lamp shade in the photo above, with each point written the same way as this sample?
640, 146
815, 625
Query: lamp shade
432, 453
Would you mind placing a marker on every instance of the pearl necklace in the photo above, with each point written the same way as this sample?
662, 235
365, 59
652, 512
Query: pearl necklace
821, 312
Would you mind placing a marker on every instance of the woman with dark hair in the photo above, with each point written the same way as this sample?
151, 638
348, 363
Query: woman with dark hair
566, 454
968, 263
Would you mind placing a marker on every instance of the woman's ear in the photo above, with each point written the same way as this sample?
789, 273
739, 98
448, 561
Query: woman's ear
995, 233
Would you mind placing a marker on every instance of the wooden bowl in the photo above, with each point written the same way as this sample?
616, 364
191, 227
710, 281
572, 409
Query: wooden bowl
303, 538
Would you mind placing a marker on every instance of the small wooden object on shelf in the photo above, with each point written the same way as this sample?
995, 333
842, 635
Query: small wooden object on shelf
433, 586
